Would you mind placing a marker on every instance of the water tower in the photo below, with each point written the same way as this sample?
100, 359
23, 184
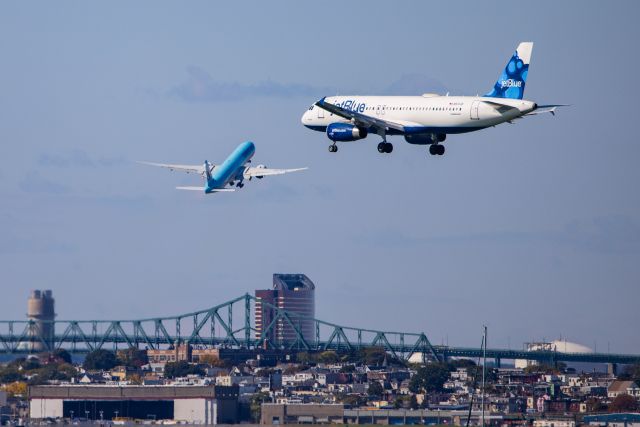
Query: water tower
40, 309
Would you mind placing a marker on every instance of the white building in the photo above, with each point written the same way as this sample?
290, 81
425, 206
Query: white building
189, 404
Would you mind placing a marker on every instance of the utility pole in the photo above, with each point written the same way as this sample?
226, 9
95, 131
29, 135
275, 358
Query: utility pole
484, 368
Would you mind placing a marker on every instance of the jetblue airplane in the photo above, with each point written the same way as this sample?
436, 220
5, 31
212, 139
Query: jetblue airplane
233, 171
427, 119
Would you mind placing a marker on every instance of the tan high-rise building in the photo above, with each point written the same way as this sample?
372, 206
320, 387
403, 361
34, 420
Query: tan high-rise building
293, 293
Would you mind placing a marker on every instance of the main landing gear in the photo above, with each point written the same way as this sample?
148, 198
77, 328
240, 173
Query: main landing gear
436, 149
333, 148
385, 147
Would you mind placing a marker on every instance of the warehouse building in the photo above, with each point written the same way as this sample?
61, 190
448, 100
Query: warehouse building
192, 404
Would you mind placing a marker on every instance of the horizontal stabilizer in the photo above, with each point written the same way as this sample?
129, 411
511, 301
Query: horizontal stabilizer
216, 190
551, 108
199, 169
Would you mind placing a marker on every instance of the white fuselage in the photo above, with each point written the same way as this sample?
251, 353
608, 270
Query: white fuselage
424, 114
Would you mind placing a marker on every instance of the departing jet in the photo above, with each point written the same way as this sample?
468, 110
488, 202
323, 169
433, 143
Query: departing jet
427, 119
233, 171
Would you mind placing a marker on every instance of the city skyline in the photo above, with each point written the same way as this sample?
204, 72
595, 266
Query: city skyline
532, 229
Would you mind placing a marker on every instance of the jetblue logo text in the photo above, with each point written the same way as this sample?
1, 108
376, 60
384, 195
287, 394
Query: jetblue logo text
352, 105
511, 83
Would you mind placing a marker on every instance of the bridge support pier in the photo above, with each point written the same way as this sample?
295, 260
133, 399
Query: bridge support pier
612, 368
498, 363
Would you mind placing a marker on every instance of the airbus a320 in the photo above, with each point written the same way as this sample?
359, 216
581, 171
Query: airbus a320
427, 119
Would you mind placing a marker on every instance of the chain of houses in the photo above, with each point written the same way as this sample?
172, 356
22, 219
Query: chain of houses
511, 394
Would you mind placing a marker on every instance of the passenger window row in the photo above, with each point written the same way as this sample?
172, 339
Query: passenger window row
417, 108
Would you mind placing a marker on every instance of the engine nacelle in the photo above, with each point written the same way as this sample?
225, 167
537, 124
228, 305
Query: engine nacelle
425, 138
345, 132
257, 176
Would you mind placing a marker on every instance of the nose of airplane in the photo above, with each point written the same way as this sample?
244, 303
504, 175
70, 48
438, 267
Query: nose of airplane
304, 117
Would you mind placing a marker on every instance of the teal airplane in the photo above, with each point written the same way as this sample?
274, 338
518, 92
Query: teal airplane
232, 172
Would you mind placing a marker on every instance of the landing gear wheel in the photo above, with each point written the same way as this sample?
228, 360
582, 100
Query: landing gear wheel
436, 150
333, 148
385, 147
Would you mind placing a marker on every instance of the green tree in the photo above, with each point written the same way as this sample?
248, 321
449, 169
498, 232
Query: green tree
595, 405
631, 373
256, 405
490, 374
292, 369
398, 402
30, 364
623, 403
347, 369
373, 355
305, 358
133, 357
211, 360
62, 355
10, 375
430, 378
353, 400
181, 369
413, 402
53, 372
541, 368
328, 357
100, 359
375, 389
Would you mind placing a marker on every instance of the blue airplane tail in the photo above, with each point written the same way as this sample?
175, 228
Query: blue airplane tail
511, 82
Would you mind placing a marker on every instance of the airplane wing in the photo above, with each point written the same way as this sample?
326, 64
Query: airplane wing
199, 169
260, 172
381, 126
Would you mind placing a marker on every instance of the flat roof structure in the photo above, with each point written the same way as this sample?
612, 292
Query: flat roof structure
193, 404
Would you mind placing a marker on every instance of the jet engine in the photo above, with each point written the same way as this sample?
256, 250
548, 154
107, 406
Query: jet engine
257, 176
425, 138
345, 132
260, 167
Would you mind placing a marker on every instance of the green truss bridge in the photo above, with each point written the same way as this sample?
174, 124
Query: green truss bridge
230, 325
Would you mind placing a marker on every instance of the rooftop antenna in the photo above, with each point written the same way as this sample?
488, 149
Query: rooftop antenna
484, 368
475, 384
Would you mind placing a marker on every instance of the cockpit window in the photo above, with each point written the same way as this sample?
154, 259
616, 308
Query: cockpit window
311, 108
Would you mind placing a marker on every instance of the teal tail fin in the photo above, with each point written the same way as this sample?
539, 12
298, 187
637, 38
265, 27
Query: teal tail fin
511, 82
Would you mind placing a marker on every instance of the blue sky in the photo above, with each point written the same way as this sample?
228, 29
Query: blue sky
532, 228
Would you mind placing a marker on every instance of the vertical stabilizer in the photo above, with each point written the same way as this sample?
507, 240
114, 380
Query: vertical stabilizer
511, 82
207, 171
